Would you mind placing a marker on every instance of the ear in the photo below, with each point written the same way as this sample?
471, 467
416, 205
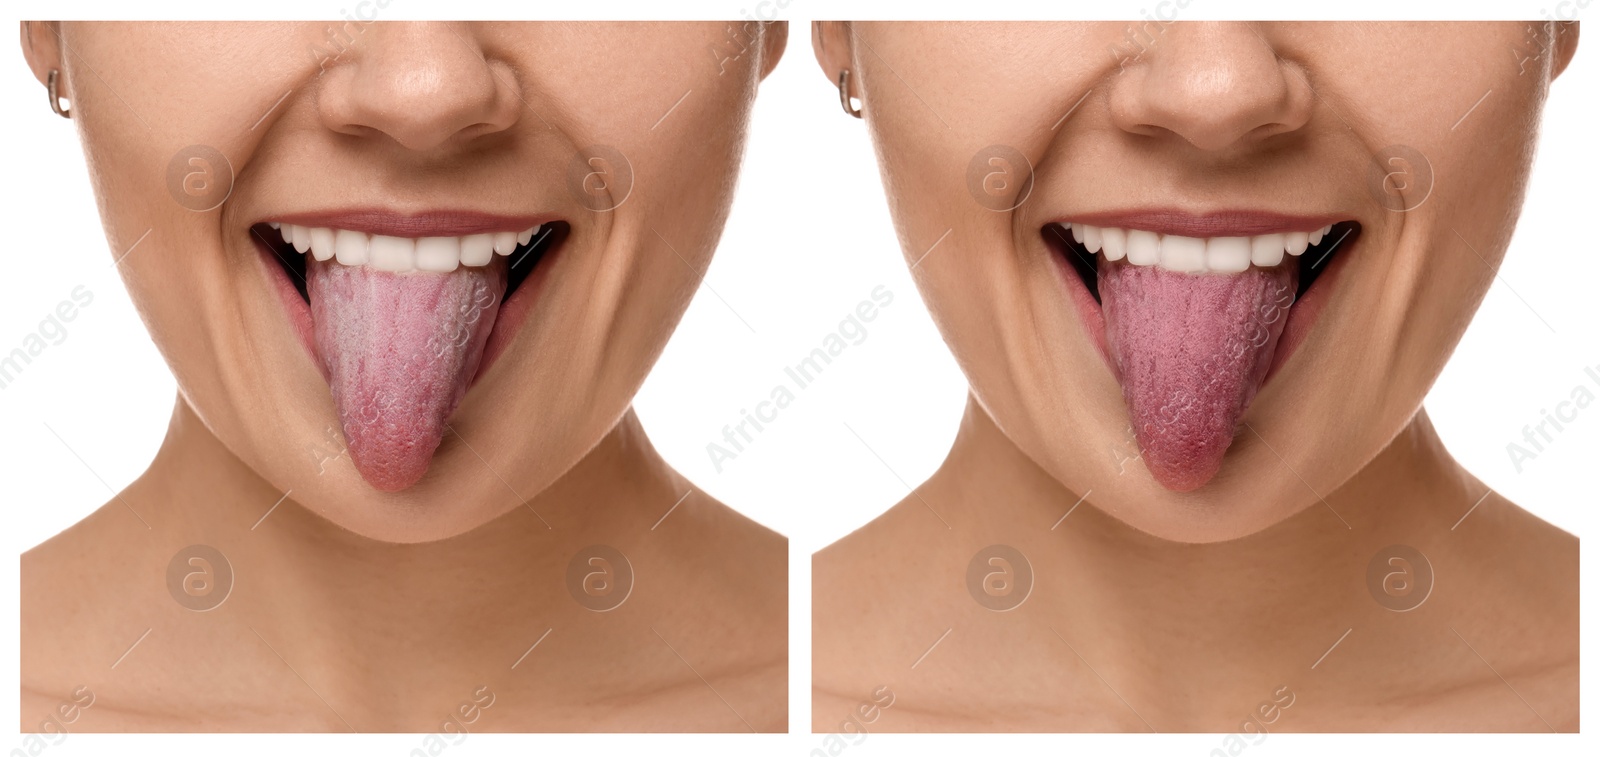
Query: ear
774, 40
1566, 44
830, 40
41, 45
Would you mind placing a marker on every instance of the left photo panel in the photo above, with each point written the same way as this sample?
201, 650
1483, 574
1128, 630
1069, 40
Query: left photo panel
408, 278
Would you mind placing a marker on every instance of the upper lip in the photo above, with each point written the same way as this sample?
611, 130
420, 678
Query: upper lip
1218, 223
433, 223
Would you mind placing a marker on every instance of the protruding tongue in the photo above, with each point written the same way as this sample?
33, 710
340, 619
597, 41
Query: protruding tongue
1191, 350
398, 350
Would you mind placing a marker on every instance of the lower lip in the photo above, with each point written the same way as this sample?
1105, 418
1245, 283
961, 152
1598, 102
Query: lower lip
1303, 314
508, 320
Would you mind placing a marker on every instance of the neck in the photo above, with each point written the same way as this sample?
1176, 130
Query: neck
299, 576
1140, 604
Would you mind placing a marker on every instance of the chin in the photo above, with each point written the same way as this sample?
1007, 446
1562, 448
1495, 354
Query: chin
432, 510
1238, 503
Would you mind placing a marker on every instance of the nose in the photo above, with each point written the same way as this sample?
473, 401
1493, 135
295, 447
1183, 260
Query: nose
424, 85
1214, 85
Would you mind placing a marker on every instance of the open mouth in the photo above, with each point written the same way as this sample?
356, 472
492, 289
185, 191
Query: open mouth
1310, 252
402, 317
293, 247
1193, 326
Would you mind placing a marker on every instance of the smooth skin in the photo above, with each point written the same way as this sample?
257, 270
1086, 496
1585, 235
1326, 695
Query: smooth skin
1207, 610
356, 610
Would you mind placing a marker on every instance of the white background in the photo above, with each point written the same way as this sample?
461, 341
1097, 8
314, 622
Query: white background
808, 238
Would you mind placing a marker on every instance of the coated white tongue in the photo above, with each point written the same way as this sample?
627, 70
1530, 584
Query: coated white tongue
398, 351
1191, 350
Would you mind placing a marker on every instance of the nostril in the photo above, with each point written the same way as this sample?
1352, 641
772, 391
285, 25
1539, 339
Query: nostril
1212, 87
426, 86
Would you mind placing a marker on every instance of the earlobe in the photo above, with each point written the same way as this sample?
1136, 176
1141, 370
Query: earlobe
41, 46
830, 41
1565, 34
774, 40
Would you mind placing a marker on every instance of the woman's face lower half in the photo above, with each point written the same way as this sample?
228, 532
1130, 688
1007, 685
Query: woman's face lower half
412, 271
1206, 271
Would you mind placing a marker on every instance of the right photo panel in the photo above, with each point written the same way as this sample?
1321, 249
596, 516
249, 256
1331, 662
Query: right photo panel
1199, 277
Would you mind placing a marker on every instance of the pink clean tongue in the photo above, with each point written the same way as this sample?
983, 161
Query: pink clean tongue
398, 350
1191, 351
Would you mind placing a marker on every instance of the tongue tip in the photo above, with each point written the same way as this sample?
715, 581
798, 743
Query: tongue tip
1184, 478
392, 478
1184, 459
397, 461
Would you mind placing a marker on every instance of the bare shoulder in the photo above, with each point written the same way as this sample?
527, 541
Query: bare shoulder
743, 565
75, 588
739, 625
875, 609
1534, 569
1522, 618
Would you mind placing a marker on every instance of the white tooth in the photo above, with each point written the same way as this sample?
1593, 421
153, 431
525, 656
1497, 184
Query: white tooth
1296, 242
505, 242
1266, 250
1183, 254
1144, 247
322, 243
392, 253
287, 232
441, 254
1316, 236
1115, 243
1228, 254
477, 249
526, 235
1077, 232
350, 247
1091, 238
302, 239
274, 224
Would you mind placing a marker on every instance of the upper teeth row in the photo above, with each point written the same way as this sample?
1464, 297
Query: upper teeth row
400, 254
1193, 254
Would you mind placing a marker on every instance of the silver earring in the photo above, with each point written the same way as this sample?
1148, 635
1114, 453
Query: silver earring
844, 94
55, 96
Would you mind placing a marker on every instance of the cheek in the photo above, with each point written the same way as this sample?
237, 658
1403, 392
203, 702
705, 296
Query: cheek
1444, 301
1476, 135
